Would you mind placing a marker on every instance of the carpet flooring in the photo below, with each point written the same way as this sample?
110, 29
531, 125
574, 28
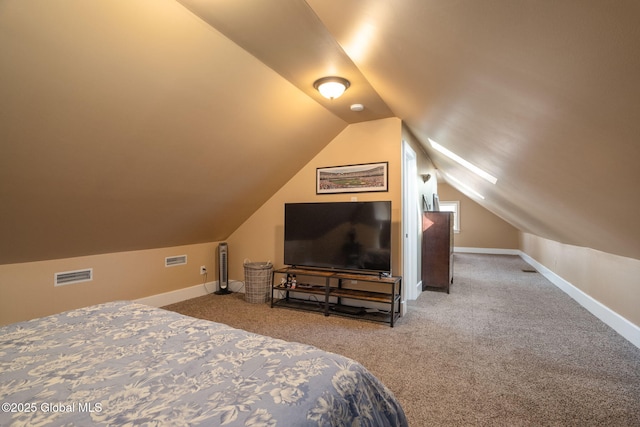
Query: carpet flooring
504, 348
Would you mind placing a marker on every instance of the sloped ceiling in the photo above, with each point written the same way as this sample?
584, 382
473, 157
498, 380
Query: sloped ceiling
148, 123
543, 95
133, 124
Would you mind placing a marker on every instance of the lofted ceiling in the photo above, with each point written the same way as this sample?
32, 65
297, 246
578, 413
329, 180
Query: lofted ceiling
149, 123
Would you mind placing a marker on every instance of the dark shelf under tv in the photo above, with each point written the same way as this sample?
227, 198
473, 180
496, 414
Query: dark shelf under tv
335, 288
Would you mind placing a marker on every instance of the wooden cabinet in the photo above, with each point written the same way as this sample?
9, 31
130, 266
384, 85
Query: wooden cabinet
333, 296
437, 251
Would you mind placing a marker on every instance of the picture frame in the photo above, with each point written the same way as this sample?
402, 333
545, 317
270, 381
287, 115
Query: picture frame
360, 178
436, 202
425, 204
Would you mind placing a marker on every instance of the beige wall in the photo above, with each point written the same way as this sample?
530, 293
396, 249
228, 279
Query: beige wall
27, 290
609, 279
479, 228
260, 238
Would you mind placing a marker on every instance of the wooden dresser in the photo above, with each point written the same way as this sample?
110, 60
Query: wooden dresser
437, 251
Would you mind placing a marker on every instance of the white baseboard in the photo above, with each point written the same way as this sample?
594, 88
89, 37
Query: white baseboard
183, 294
492, 251
178, 295
628, 330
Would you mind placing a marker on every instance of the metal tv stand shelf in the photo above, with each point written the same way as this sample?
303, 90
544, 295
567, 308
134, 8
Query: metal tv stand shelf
319, 297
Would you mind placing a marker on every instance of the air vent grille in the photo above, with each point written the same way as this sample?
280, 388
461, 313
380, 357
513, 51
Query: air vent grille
172, 261
76, 276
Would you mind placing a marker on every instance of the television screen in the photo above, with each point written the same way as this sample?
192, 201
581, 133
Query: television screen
339, 235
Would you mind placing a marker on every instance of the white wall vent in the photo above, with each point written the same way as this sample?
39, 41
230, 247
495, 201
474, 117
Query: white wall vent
69, 277
172, 261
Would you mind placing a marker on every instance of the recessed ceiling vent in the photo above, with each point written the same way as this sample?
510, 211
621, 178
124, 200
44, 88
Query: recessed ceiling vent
77, 276
172, 261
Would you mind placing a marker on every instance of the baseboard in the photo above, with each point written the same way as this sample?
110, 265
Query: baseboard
178, 295
625, 328
183, 294
492, 251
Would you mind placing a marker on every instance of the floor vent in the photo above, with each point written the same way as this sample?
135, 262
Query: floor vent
529, 270
77, 276
172, 261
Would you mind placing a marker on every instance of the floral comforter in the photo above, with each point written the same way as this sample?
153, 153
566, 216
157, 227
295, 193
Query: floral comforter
126, 364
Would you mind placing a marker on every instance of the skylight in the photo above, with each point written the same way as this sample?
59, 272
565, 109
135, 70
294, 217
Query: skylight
453, 156
464, 186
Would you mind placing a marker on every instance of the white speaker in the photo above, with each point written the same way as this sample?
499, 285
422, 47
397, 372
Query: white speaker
223, 269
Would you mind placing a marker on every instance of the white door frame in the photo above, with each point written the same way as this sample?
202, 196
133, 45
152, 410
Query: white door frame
410, 226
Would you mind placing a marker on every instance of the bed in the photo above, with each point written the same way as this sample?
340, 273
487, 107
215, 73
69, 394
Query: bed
124, 363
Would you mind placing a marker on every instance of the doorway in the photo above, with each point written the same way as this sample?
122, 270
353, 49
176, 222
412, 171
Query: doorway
410, 215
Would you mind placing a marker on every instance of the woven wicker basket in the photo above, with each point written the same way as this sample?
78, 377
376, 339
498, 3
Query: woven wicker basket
257, 281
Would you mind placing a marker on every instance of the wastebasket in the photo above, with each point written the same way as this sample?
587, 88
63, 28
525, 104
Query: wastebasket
257, 281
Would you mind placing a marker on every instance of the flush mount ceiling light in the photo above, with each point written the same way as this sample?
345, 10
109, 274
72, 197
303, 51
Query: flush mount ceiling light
331, 87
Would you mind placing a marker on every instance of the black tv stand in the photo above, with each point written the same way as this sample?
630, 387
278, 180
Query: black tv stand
329, 298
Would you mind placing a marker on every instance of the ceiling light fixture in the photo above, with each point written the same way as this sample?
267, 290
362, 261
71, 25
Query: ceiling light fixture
453, 156
331, 87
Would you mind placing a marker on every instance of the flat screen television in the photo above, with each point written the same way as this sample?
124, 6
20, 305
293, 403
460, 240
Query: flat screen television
345, 236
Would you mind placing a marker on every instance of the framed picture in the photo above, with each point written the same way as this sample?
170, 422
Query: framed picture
353, 178
425, 204
436, 202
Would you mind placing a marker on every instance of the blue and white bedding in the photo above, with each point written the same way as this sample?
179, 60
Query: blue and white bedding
126, 364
